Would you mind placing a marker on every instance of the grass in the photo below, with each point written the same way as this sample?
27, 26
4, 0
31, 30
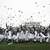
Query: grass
25, 46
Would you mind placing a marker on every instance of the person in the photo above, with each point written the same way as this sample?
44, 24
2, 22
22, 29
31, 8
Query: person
26, 36
21, 36
48, 34
2, 37
35, 39
43, 37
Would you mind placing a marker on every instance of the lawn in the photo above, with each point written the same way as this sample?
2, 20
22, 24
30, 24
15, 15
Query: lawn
25, 46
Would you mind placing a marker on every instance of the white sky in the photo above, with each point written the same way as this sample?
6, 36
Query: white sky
10, 8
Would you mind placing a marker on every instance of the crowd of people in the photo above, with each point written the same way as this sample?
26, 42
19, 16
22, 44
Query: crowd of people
25, 33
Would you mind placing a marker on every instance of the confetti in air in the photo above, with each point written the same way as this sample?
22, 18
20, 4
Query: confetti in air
20, 13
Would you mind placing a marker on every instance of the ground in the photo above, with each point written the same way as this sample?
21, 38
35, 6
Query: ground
25, 46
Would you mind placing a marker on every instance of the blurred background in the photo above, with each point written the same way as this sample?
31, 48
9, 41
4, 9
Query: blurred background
16, 12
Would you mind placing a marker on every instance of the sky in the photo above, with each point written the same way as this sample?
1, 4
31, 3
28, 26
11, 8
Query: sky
16, 12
